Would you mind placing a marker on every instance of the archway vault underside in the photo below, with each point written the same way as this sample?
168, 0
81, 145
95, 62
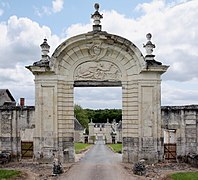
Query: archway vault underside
98, 59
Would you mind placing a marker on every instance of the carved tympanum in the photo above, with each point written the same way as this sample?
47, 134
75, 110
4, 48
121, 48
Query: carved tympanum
97, 71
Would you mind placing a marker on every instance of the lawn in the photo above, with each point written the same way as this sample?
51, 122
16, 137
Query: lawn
116, 147
6, 174
80, 147
185, 176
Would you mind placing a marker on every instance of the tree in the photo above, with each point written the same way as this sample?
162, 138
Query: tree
101, 115
81, 115
84, 116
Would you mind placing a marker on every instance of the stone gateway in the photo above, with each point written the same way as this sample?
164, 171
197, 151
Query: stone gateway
98, 58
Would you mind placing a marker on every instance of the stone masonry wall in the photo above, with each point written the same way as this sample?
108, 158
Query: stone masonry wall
183, 119
13, 121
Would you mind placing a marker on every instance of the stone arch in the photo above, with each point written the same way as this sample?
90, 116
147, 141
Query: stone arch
117, 61
91, 47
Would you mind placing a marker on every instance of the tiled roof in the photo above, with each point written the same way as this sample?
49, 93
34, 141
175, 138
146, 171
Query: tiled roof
6, 97
77, 125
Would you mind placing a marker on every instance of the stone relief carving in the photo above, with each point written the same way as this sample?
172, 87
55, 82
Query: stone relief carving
96, 52
97, 71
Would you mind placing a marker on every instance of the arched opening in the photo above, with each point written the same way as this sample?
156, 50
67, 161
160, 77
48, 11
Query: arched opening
98, 59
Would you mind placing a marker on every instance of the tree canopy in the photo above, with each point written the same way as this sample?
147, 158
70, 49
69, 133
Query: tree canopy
84, 116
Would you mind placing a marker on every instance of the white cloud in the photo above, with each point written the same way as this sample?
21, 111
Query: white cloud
109, 97
174, 28
20, 39
182, 93
1, 12
57, 5
3, 7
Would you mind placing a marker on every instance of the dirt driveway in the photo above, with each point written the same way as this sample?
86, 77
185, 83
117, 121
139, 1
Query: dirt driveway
91, 165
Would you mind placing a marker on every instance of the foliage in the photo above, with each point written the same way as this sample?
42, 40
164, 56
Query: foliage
101, 115
81, 115
116, 147
185, 176
5, 174
79, 147
84, 116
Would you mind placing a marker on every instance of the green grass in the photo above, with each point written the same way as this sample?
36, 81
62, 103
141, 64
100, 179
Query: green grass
6, 174
116, 147
80, 147
185, 176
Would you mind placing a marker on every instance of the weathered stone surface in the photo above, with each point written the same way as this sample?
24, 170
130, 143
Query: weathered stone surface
184, 120
14, 120
98, 59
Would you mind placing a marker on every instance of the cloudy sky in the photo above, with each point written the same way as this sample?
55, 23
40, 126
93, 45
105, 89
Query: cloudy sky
173, 23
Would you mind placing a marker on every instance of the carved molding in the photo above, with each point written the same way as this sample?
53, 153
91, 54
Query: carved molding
97, 71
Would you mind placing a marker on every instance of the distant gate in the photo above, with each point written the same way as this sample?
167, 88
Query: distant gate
26, 149
170, 151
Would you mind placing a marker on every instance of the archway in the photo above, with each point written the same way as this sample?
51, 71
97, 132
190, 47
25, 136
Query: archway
98, 58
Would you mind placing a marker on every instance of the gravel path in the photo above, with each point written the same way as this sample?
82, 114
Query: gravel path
99, 163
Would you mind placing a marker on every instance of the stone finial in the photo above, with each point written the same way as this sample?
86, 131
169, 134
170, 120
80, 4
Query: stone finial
107, 120
45, 47
96, 17
45, 59
149, 48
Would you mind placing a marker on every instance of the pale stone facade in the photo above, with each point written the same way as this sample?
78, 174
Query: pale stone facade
107, 132
98, 59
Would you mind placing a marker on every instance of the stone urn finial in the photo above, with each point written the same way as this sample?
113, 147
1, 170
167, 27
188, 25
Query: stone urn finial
149, 46
96, 6
45, 50
45, 47
96, 17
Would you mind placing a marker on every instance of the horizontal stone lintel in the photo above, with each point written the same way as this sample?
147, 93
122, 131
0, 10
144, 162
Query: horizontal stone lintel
97, 84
